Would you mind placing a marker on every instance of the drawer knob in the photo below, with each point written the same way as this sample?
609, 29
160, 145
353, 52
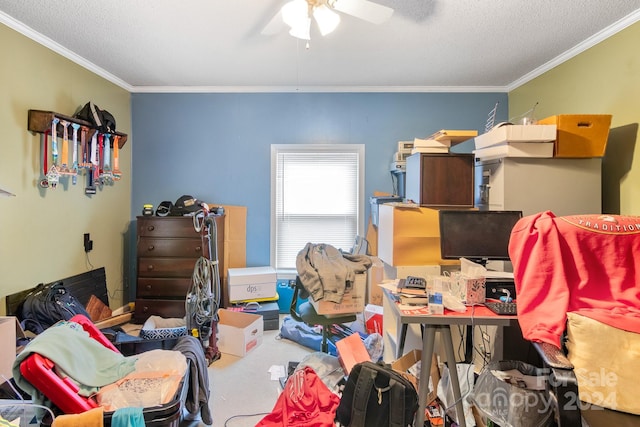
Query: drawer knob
148, 287
198, 248
150, 267
151, 228
150, 248
145, 309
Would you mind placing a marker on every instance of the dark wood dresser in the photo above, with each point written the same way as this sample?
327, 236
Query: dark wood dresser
167, 251
441, 180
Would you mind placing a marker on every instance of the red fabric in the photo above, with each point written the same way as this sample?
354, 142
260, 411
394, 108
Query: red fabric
305, 402
588, 264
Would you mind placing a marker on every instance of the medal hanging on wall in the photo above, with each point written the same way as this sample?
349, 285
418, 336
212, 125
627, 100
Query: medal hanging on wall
52, 175
106, 176
92, 165
117, 174
64, 166
44, 183
74, 165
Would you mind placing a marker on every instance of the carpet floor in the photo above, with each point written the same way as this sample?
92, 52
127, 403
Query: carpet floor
242, 388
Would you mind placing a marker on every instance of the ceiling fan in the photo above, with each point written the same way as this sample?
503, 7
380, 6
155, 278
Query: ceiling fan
297, 14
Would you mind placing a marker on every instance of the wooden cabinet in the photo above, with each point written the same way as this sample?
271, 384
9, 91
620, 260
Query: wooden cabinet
440, 180
167, 250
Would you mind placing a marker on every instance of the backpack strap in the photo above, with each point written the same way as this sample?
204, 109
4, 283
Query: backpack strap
396, 405
364, 385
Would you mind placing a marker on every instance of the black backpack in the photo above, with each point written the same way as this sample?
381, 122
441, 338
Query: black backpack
46, 305
377, 396
99, 119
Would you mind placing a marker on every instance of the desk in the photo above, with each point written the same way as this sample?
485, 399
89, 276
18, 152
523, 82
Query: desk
478, 315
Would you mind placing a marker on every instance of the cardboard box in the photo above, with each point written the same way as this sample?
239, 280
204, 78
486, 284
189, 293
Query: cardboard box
410, 236
516, 133
251, 283
540, 150
235, 222
235, 253
352, 300
351, 350
373, 318
238, 332
580, 135
375, 276
10, 331
407, 365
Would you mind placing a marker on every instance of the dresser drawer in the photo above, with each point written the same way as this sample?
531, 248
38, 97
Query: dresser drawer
169, 247
166, 267
158, 307
166, 227
148, 287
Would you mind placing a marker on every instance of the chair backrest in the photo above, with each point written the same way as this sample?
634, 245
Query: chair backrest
360, 246
587, 264
300, 295
293, 308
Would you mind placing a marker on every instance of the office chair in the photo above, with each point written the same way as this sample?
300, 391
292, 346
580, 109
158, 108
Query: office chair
578, 284
360, 246
306, 313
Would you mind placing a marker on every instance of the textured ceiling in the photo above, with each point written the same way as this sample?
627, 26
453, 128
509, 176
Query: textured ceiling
217, 45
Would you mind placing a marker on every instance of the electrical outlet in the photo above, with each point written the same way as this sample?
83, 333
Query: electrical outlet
88, 243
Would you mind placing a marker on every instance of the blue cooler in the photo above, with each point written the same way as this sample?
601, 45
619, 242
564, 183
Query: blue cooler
285, 288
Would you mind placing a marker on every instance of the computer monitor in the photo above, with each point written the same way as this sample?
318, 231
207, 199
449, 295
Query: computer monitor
479, 236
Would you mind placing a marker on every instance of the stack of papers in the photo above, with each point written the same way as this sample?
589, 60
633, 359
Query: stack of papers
441, 141
430, 146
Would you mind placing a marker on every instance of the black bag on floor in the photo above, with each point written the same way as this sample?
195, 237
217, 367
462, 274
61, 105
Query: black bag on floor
377, 396
46, 305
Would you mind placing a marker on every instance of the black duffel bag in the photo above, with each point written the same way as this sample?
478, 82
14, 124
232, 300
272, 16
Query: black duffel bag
377, 396
46, 305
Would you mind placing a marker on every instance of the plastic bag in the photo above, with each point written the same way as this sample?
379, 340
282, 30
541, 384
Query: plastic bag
445, 392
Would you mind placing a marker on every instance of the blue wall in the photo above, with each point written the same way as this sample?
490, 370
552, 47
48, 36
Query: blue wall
216, 147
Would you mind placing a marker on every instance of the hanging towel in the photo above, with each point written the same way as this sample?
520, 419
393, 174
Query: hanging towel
128, 417
198, 394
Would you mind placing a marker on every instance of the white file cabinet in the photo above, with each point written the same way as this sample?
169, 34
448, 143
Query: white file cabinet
531, 185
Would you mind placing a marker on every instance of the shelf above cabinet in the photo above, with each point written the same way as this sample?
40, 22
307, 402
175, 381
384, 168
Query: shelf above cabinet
40, 122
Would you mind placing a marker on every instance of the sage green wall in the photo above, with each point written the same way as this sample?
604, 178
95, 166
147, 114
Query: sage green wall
605, 79
41, 231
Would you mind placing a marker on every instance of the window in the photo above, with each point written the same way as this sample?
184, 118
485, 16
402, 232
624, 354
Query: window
316, 196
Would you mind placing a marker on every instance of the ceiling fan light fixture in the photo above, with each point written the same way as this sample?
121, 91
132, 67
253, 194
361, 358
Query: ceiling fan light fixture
326, 19
302, 30
295, 13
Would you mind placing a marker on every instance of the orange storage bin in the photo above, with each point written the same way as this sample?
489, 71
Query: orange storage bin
580, 135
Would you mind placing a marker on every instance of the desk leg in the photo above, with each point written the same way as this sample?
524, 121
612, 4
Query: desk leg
401, 340
453, 373
428, 342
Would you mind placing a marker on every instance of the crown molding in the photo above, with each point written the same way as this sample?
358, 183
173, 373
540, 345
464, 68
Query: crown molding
61, 50
577, 49
315, 89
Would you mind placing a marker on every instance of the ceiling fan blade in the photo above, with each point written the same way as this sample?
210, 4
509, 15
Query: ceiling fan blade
274, 26
364, 9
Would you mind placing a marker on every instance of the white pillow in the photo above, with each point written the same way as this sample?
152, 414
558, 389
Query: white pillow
606, 363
